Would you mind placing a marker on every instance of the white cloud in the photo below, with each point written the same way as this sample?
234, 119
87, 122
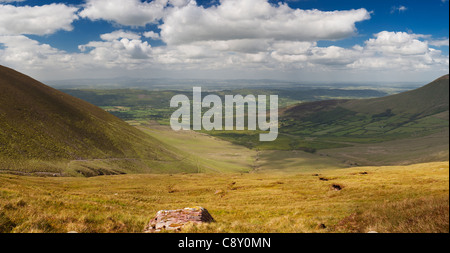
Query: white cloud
151, 35
179, 3
120, 34
249, 36
399, 9
22, 52
39, 20
118, 48
439, 43
386, 51
397, 43
232, 34
399, 51
36, 59
125, 12
256, 19
123, 51
184, 21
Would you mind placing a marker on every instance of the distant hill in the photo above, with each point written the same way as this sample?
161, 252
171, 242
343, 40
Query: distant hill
427, 100
408, 117
45, 130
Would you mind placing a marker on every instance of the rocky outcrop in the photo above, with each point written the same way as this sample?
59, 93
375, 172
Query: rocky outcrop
174, 220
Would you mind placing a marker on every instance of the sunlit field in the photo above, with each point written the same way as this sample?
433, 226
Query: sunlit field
385, 199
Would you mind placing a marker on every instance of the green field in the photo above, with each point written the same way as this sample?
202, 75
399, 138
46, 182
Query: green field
136, 104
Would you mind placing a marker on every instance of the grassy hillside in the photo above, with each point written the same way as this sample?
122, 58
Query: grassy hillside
403, 128
45, 130
430, 99
385, 199
414, 113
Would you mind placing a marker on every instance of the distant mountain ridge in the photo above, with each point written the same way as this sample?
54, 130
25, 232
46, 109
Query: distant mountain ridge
416, 122
431, 98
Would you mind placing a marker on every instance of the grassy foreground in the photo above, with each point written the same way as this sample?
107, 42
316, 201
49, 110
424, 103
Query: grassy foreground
410, 198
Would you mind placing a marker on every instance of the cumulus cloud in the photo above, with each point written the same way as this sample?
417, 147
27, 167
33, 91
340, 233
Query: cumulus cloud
256, 19
39, 20
20, 51
231, 34
184, 21
386, 51
398, 43
399, 50
251, 35
118, 48
125, 12
23, 53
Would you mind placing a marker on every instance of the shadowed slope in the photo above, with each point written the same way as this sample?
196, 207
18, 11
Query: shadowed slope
38, 122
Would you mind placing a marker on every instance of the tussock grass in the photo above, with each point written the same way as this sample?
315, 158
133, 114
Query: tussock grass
387, 199
422, 215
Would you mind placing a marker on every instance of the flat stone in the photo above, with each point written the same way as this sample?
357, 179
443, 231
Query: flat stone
174, 220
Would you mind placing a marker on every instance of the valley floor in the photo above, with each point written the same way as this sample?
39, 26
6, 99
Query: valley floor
411, 198
212, 154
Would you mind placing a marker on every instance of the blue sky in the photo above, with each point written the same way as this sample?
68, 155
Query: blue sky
301, 40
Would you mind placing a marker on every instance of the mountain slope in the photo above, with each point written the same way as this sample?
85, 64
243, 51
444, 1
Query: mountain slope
402, 121
429, 99
39, 123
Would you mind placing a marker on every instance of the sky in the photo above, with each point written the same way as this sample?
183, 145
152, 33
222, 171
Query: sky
294, 40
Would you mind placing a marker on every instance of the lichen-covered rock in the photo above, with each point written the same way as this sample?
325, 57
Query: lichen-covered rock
174, 220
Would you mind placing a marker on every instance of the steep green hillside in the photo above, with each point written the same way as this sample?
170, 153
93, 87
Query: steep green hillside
40, 124
410, 114
428, 100
403, 128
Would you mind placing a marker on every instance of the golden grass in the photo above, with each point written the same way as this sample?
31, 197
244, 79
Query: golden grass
382, 199
422, 215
